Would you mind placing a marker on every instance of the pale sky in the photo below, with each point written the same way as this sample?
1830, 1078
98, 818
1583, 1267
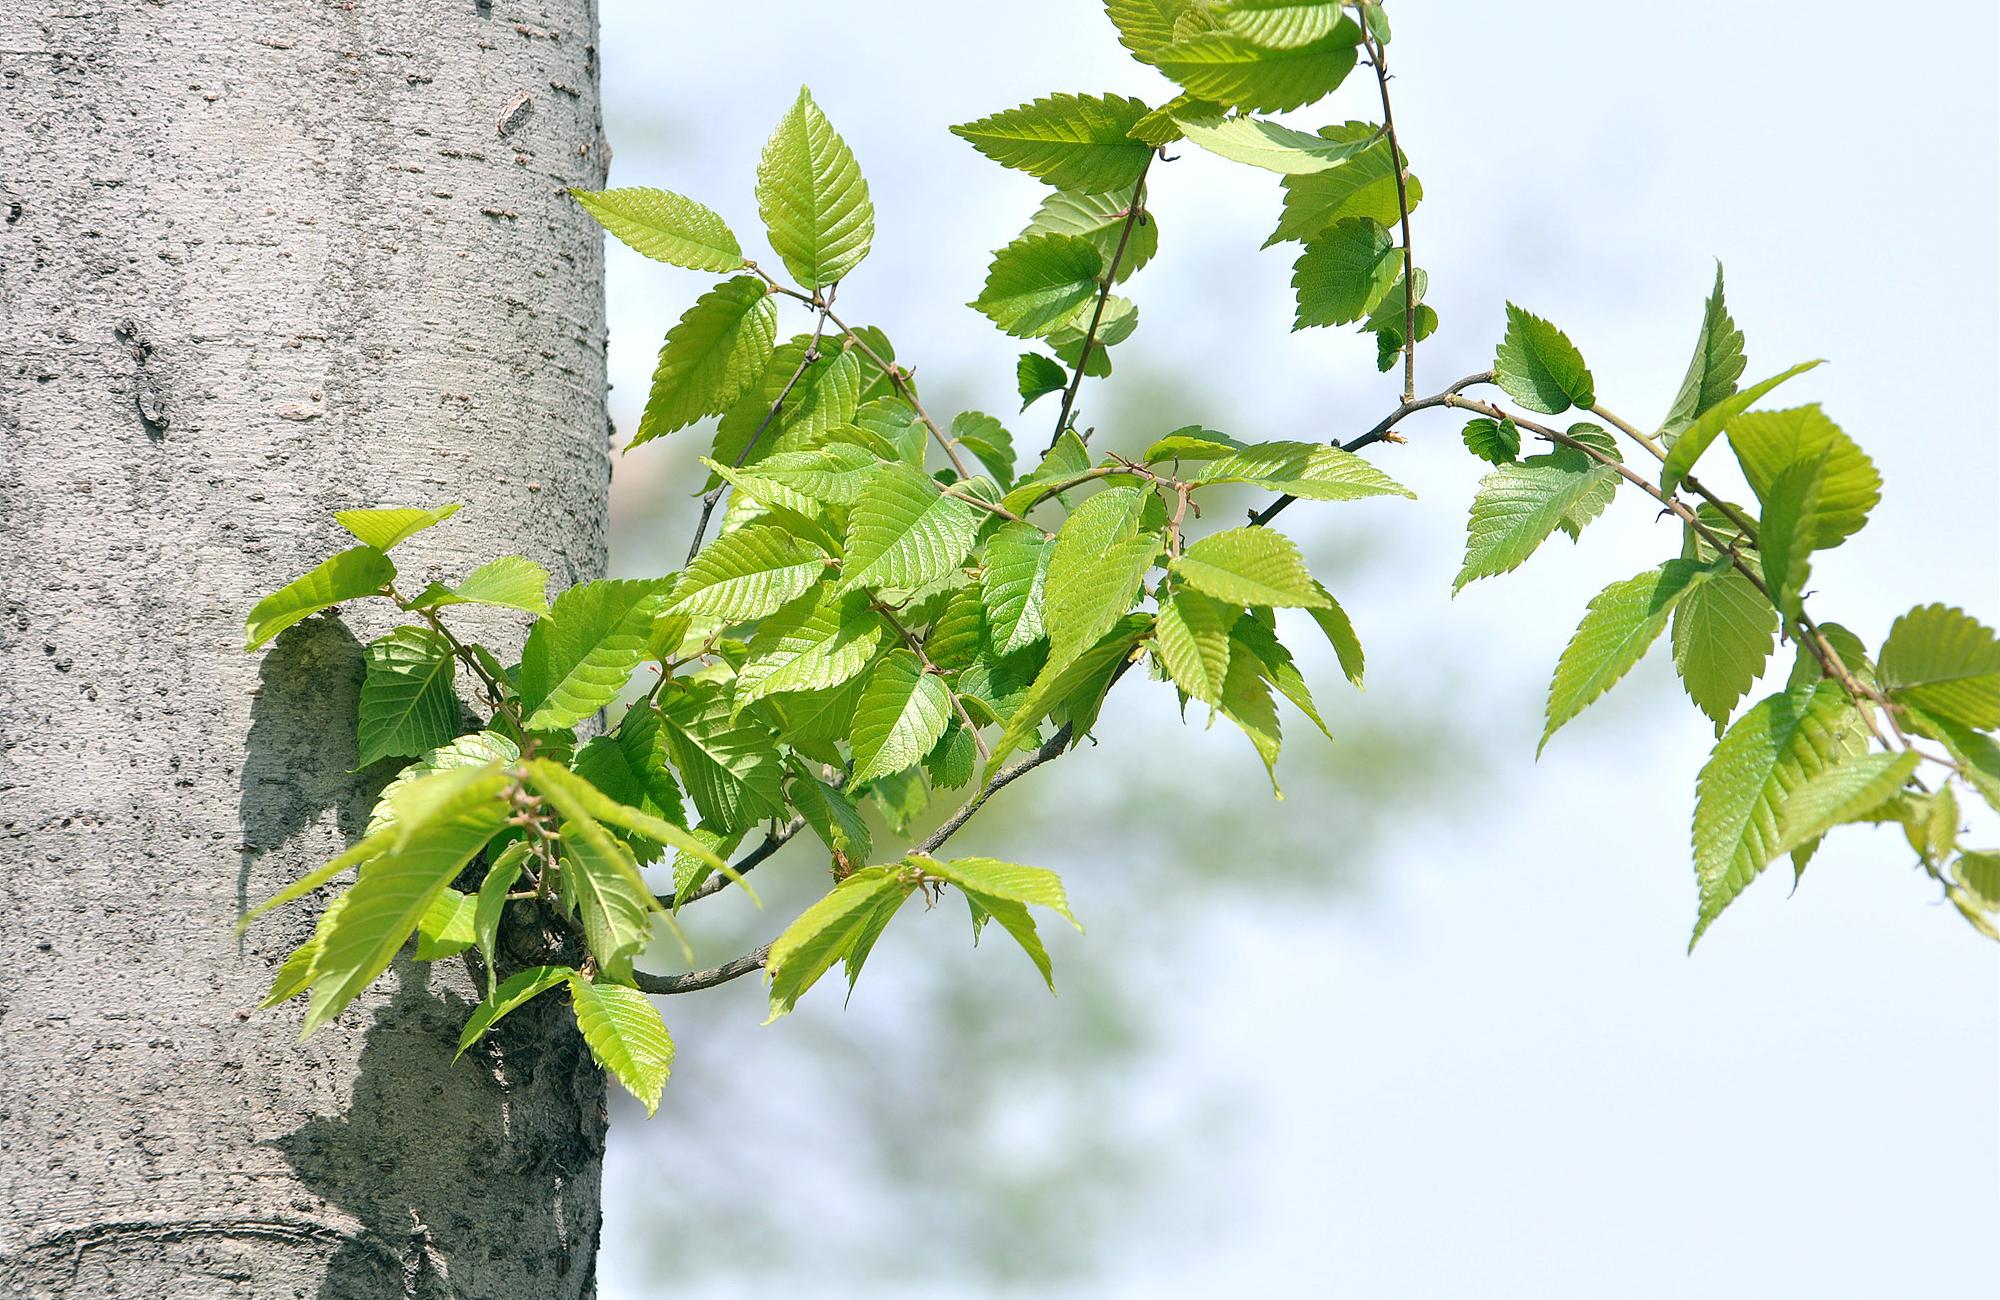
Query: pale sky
1480, 1063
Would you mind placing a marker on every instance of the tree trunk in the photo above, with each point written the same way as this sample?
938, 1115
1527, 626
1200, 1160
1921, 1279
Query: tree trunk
261, 261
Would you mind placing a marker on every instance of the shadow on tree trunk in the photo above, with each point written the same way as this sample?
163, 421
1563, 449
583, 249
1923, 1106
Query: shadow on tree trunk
298, 760
473, 1178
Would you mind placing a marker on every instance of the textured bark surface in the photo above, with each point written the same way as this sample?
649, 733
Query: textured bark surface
259, 261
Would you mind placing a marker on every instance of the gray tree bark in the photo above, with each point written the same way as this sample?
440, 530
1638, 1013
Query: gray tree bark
260, 261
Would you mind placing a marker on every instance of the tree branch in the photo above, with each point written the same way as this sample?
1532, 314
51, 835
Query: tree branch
1382, 432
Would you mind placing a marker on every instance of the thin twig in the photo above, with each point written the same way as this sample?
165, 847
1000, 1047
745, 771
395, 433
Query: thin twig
1379, 59
991, 507
1383, 431
1135, 212
702, 979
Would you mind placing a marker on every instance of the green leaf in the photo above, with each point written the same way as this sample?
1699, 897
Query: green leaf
1073, 142
445, 929
1037, 282
1145, 27
1785, 531
1939, 832
1275, 662
1782, 742
1979, 875
356, 572
1845, 792
1192, 443
708, 359
1311, 471
1281, 24
1016, 921
666, 227
1853, 653
780, 501
1095, 568
1518, 506
489, 907
1120, 318
1192, 636
514, 992
832, 816
1037, 376
891, 429
383, 529
1250, 566
814, 643
1618, 628
631, 767
953, 760
1378, 21
1058, 682
690, 872
825, 398
644, 817
1722, 636
475, 749
1498, 442
902, 713
1363, 187
988, 439
748, 574
509, 582
625, 1035
831, 475
1769, 443
1345, 272
812, 198
904, 533
1539, 367
731, 769
1246, 701
408, 705
1333, 621
828, 930
1713, 371
1391, 317
600, 875
1388, 330
1101, 219
1945, 662
1031, 886
1977, 754
1014, 582
1698, 436
1236, 71
1258, 143
443, 821
576, 660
